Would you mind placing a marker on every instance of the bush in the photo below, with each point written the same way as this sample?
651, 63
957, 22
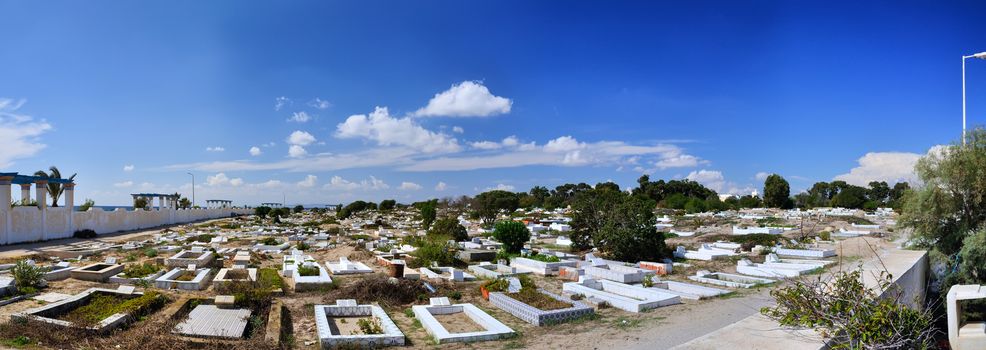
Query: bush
269, 241
512, 234
368, 326
140, 270
86, 233
150, 252
27, 277
449, 227
434, 250
544, 258
308, 270
102, 306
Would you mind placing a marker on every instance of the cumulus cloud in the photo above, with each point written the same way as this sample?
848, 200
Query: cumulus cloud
124, 184
268, 184
296, 151
318, 103
309, 181
19, 134
485, 145
280, 102
338, 183
386, 130
440, 186
715, 181
510, 141
466, 99
300, 117
215, 149
891, 167
301, 138
220, 179
679, 161
255, 151
501, 187
128, 167
563, 144
458, 129
409, 186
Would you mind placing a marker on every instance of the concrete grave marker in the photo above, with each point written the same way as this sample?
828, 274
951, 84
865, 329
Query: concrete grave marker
442, 301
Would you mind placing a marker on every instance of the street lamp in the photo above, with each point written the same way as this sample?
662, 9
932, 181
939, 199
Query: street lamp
193, 176
981, 55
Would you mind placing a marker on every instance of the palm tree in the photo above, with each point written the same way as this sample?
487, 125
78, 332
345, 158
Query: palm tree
54, 189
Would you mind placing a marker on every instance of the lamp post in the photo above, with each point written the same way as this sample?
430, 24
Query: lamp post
981, 55
193, 185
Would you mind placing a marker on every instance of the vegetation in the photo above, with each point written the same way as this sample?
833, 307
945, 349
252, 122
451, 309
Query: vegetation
140, 270
262, 211
140, 203
428, 213
304, 270
387, 204
843, 309
270, 278
369, 326
27, 277
449, 227
512, 234
269, 241
101, 306
777, 192
353, 208
385, 293
544, 258
150, 252
842, 194
89, 203
302, 246
298, 208
489, 204
434, 249
619, 225
203, 238
54, 189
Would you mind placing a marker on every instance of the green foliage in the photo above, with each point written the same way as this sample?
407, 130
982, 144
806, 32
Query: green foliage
262, 211
660, 191
388, 204
89, 203
544, 258
140, 203
203, 238
101, 306
490, 203
302, 246
619, 225
512, 234
369, 326
140, 270
851, 314
449, 227
298, 209
55, 189
150, 252
428, 213
269, 241
435, 249
776, 191
308, 270
27, 276
353, 208
269, 278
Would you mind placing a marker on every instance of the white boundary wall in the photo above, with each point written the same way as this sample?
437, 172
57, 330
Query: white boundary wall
31, 224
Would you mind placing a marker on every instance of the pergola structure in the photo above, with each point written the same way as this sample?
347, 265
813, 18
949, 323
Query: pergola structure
165, 201
272, 205
40, 189
218, 203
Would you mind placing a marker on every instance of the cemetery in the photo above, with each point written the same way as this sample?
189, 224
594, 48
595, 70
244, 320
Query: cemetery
96, 309
449, 323
361, 326
622, 296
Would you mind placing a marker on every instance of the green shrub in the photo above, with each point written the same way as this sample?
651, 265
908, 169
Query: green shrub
544, 258
140, 270
150, 252
269, 241
270, 278
512, 234
308, 270
369, 326
101, 306
434, 250
27, 277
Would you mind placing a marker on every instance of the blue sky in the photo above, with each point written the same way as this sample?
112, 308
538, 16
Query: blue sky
476, 95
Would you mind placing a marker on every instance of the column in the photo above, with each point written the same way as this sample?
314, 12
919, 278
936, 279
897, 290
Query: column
25, 194
69, 191
41, 190
5, 182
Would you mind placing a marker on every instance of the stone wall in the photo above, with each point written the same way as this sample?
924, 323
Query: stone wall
31, 224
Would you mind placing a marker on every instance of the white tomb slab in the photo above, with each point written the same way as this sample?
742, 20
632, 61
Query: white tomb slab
627, 297
729, 280
688, 290
492, 328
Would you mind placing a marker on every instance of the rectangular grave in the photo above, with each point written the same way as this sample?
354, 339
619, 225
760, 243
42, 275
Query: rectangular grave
622, 296
539, 317
474, 324
332, 334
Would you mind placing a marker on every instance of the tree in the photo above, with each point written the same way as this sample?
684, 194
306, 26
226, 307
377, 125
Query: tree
776, 191
140, 203
449, 227
388, 204
262, 211
54, 189
488, 204
299, 208
512, 234
849, 196
184, 203
428, 213
589, 213
89, 203
896, 196
878, 192
628, 232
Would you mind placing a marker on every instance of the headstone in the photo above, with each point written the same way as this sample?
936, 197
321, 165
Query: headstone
225, 301
346, 302
197, 249
63, 264
126, 289
191, 267
513, 285
442, 301
110, 260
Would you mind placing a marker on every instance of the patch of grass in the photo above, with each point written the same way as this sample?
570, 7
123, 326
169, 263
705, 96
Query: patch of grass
409, 313
541, 301
101, 306
186, 276
544, 258
18, 341
308, 270
269, 277
140, 270
624, 323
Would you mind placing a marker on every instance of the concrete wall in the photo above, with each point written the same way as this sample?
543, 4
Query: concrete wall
30, 224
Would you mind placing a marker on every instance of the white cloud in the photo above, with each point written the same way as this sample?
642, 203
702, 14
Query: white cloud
379, 126
19, 134
269, 144
338, 183
128, 167
714, 180
124, 184
466, 99
296, 151
220, 179
318, 103
280, 102
301, 138
409, 186
269, 184
215, 149
255, 151
563, 144
309, 181
458, 129
679, 161
510, 141
440, 186
891, 167
485, 145
501, 187
762, 176
300, 117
